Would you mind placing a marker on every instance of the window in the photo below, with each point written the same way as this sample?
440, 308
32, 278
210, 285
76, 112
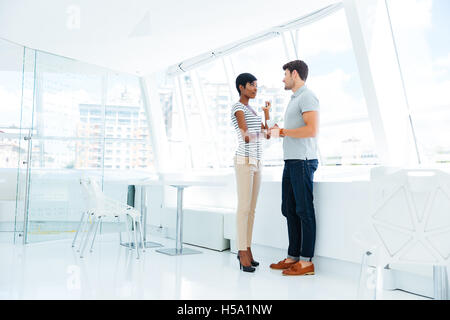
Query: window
11, 77
124, 121
199, 101
171, 100
422, 42
345, 134
68, 116
265, 61
212, 96
124, 114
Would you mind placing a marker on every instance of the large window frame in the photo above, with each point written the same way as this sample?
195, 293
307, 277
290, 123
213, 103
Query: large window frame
288, 35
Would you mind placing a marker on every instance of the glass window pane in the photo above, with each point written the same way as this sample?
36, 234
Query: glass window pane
333, 76
265, 61
11, 70
424, 53
166, 96
124, 106
69, 100
215, 92
202, 102
128, 155
66, 154
171, 99
339, 147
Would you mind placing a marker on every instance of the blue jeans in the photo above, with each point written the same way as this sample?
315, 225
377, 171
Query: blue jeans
298, 208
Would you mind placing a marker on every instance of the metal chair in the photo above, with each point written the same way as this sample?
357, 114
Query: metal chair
409, 222
99, 206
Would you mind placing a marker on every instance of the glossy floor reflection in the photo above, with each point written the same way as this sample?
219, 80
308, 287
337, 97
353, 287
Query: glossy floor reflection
55, 271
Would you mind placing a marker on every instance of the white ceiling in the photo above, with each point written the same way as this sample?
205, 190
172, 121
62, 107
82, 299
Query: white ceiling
141, 36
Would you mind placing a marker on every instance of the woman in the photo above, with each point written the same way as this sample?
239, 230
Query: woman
247, 163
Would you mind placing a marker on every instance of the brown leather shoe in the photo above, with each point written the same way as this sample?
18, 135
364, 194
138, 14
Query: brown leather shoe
297, 270
282, 265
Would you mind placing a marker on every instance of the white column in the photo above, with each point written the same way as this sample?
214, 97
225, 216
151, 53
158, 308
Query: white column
152, 105
381, 81
204, 112
181, 98
231, 77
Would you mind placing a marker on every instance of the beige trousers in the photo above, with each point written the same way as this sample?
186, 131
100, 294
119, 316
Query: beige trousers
248, 181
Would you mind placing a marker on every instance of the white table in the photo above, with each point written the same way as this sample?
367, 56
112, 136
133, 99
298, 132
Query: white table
141, 184
181, 182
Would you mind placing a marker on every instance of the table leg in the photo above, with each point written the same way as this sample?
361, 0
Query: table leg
148, 244
179, 250
143, 209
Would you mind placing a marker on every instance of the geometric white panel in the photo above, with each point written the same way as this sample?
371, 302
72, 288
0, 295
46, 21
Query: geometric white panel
419, 207
441, 243
396, 211
418, 253
393, 240
420, 200
439, 215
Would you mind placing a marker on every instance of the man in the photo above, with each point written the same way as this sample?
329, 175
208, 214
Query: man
301, 121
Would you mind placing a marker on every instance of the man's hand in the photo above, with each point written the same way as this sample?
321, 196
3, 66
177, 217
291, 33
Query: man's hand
311, 119
274, 130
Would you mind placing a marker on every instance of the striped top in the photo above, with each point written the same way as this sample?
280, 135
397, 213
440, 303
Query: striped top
253, 149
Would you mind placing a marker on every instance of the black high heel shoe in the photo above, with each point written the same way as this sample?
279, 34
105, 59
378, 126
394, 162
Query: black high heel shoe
255, 263
244, 268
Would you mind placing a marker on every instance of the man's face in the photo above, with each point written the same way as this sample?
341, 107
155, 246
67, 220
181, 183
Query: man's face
288, 80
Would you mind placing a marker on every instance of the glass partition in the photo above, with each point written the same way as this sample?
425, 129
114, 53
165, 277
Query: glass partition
11, 148
63, 119
67, 142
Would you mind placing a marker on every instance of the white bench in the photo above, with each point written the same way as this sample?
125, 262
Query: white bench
204, 227
229, 229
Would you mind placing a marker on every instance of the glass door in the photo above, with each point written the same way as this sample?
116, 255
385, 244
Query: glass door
16, 105
66, 142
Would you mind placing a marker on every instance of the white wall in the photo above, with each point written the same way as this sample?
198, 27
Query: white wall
341, 209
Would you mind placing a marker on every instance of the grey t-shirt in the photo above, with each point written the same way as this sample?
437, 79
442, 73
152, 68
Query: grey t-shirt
299, 148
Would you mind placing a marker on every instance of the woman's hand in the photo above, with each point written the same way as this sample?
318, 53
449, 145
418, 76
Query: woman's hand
266, 109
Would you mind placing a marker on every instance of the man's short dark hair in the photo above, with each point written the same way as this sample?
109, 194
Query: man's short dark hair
300, 66
243, 79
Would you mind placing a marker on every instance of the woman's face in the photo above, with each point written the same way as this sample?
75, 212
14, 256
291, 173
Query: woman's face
250, 89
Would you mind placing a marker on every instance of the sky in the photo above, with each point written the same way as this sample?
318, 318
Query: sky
422, 37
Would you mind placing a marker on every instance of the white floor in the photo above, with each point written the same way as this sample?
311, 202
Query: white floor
55, 271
